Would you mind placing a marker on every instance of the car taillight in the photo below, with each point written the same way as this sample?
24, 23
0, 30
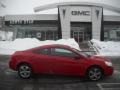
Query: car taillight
12, 62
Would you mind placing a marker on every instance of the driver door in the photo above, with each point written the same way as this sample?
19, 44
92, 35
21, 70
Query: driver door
65, 61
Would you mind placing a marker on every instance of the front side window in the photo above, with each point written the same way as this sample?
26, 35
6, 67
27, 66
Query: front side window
62, 52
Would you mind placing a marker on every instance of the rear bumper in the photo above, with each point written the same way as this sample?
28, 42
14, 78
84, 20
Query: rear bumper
12, 65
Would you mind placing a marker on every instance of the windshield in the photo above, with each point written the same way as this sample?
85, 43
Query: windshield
81, 53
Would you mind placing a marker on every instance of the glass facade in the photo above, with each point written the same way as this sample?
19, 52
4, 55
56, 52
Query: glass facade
111, 32
42, 30
6, 36
41, 35
81, 31
48, 30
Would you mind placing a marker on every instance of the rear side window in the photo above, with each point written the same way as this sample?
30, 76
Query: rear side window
43, 51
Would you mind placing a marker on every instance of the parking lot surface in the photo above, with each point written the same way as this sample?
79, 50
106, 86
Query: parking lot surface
9, 80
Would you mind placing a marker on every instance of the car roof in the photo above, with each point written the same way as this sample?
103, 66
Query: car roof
49, 46
55, 45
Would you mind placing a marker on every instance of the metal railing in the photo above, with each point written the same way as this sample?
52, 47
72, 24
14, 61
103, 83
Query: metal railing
93, 47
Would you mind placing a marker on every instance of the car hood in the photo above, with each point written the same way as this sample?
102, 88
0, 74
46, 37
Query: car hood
100, 58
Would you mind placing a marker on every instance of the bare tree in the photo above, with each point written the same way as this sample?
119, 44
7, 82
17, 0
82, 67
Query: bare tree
2, 5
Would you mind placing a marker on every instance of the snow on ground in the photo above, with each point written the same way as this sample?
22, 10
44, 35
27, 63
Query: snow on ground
107, 48
9, 47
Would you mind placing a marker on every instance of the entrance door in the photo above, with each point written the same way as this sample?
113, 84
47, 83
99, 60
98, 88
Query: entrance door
81, 31
78, 36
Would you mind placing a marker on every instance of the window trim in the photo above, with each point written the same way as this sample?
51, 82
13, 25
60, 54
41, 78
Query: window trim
39, 52
66, 49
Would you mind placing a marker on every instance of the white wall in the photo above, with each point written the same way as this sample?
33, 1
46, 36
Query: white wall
81, 14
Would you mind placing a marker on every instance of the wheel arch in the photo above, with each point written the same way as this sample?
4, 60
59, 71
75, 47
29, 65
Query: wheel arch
98, 66
21, 63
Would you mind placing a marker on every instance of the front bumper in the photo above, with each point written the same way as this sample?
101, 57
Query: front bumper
109, 71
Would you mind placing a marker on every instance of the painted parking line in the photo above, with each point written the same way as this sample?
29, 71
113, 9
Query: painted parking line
109, 86
28, 87
117, 71
116, 74
10, 72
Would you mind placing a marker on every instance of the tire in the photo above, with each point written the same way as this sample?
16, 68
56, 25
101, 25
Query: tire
24, 71
94, 73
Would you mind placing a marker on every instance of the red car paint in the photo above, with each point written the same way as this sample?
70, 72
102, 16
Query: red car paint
58, 64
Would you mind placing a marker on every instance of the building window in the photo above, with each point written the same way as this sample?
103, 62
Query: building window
41, 35
6, 36
81, 31
21, 34
112, 32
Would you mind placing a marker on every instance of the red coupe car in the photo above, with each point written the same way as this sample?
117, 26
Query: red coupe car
60, 59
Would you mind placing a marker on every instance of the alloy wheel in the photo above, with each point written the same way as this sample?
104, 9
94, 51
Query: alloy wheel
95, 73
24, 71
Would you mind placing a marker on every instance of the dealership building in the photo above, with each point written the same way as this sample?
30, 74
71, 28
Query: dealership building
80, 20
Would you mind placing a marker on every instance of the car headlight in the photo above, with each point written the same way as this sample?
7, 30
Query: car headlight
108, 63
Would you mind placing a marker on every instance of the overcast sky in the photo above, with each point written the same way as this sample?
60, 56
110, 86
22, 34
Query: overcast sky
26, 6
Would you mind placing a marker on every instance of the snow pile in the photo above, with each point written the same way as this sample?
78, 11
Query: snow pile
9, 47
69, 42
107, 48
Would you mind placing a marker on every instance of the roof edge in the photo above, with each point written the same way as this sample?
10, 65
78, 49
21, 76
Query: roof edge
55, 5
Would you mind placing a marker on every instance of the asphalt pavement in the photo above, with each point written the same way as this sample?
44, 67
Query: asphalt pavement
9, 80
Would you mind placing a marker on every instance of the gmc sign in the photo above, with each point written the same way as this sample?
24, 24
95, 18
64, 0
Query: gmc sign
84, 13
